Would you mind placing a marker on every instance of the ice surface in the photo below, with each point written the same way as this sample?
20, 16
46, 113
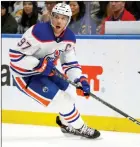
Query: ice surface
41, 136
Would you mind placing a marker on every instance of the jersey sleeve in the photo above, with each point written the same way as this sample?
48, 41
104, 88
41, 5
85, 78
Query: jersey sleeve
70, 63
22, 60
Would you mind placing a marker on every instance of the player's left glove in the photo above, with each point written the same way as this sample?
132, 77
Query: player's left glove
84, 87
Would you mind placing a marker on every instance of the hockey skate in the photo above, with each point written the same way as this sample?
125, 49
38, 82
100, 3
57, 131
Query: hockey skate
85, 131
66, 129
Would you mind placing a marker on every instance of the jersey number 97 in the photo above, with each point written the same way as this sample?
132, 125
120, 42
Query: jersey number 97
24, 44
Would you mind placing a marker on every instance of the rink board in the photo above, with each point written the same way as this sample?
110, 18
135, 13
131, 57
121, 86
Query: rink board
48, 119
117, 81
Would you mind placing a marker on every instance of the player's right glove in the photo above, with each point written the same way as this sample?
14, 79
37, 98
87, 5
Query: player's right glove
45, 67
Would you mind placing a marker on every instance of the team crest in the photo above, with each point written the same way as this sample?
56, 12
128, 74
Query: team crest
54, 56
45, 89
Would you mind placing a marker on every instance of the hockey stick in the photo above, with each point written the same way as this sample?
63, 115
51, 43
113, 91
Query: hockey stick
60, 75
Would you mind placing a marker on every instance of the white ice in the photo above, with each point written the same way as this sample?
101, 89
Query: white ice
41, 136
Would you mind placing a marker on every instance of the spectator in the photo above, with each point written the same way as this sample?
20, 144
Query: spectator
81, 23
11, 6
94, 10
134, 8
29, 17
41, 6
8, 23
48, 9
119, 13
18, 10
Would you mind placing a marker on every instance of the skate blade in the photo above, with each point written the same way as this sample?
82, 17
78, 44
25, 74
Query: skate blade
68, 135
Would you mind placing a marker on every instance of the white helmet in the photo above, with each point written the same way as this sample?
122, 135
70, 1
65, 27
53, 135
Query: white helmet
63, 9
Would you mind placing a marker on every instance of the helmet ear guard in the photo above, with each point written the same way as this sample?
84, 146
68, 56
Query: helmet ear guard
63, 9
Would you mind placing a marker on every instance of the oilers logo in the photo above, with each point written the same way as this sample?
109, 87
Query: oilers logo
45, 89
53, 56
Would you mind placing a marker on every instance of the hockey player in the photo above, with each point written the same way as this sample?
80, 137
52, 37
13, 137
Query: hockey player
33, 60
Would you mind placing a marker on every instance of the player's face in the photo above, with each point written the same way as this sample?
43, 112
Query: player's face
28, 7
59, 22
116, 5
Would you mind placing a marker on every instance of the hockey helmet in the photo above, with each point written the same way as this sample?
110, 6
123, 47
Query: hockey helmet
63, 9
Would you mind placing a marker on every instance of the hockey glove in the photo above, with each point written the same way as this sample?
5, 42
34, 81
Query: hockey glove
45, 67
84, 87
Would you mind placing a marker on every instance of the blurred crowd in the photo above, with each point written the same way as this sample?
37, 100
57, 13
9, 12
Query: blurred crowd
88, 18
